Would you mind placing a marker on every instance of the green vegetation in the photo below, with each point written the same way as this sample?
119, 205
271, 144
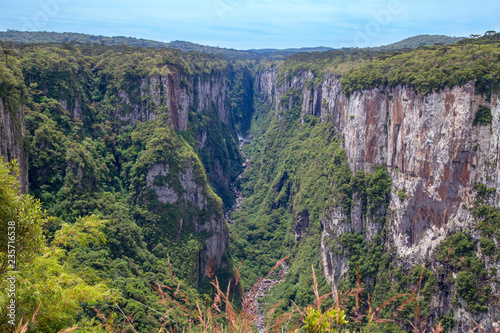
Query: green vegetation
39, 37
431, 68
48, 280
11, 84
43, 37
107, 138
417, 41
457, 254
488, 216
483, 116
87, 157
483, 192
487, 245
317, 322
337, 62
402, 194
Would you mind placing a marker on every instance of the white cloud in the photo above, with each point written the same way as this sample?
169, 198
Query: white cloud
258, 23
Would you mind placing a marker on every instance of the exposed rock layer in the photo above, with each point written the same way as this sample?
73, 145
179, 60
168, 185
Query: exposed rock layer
179, 93
11, 140
432, 150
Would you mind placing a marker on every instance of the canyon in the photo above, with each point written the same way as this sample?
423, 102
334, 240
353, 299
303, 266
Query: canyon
429, 144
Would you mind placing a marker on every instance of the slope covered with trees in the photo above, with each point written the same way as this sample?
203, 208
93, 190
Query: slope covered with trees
39, 37
417, 41
301, 180
91, 151
132, 152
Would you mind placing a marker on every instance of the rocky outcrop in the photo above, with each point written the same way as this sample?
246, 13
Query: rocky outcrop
431, 148
77, 109
12, 133
164, 192
335, 263
265, 83
178, 93
435, 155
433, 152
191, 194
302, 225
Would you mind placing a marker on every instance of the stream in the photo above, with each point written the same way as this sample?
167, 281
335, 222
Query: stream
234, 185
260, 289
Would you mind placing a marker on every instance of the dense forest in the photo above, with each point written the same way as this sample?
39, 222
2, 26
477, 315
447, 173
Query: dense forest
133, 155
25, 37
85, 161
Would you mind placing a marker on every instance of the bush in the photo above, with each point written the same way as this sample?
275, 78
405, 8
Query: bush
402, 194
483, 116
487, 245
467, 288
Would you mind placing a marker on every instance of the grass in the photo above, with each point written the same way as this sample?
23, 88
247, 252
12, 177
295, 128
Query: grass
220, 315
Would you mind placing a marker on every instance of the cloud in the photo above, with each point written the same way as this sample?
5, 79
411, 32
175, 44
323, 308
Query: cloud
257, 23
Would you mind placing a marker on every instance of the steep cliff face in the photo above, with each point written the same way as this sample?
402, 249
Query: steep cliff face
435, 156
206, 98
179, 93
197, 105
11, 139
434, 153
265, 83
431, 148
100, 118
197, 209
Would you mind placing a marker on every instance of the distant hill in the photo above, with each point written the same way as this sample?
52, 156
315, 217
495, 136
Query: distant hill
293, 50
40, 37
416, 41
230, 53
68, 37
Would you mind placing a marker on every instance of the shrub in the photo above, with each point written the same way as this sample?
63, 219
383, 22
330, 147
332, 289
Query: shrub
487, 245
483, 116
467, 288
402, 194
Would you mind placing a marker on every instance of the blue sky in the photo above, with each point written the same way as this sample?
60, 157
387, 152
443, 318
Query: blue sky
245, 24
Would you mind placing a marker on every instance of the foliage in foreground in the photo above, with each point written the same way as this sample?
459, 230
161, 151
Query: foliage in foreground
221, 315
52, 293
49, 289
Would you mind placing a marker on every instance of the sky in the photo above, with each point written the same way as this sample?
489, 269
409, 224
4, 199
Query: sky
247, 24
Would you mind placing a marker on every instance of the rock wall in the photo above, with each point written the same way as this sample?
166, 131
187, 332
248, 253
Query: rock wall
265, 83
193, 195
433, 152
429, 144
11, 139
179, 94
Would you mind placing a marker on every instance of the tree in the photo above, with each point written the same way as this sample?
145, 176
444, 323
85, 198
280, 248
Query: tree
21, 216
7, 52
44, 279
